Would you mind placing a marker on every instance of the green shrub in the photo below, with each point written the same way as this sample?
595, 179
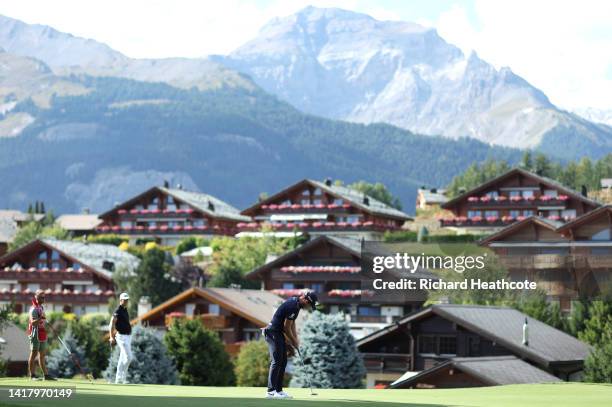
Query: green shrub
252, 364
199, 354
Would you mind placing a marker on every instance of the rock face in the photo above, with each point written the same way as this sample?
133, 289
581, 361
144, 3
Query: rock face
349, 66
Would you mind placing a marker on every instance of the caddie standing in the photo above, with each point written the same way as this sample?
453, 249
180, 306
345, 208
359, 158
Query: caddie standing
38, 336
120, 331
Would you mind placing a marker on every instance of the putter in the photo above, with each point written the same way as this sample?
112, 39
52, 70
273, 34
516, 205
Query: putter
75, 360
312, 393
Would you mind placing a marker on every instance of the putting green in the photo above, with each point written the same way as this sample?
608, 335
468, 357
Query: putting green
101, 394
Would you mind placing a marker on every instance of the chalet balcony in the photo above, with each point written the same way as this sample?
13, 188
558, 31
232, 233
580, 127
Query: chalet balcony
318, 227
55, 296
44, 275
516, 201
335, 296
320, 269
165, 230
387, 362
210, 321
154, 213
490, 221
375, 319
305, 208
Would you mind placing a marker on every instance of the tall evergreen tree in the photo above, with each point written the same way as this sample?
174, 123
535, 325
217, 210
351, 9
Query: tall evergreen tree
330, 356
153, 278
151, 363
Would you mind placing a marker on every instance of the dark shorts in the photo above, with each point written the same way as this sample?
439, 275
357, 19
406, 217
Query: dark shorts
37, 346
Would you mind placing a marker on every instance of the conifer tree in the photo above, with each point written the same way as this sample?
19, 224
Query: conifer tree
60, 363
329, 354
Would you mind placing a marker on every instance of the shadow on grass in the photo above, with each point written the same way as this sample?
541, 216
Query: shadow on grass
99, 400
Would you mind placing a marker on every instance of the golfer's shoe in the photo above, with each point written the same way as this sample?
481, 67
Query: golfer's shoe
35, 378
282, 395
50, 378
271, 394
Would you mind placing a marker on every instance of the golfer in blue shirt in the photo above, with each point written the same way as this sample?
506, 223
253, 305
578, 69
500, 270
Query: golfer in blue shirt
281, 328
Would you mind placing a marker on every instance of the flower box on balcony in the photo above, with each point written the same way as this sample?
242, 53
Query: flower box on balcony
554, 217
520, 218
332, 206
546, 198
188, 228
501, 198
485, 199
116, 228
144, 211
516, 198
492, 219
273, 207
346, 206
563, 197
356, 224
283, 206
508, 219
163, 228
320, 206
317, 225
134, 211
330, 224
202, 227
473, 199
368, 223
476, 219
155, 211
153, 228
303, 225
122, 211
296, 206
290, 225
140, 228
127, 228
188, 211
177, 228
308, 206
530, 198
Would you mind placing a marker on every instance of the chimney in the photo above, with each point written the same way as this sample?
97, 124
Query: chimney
166, 184
526, 333
179, 186
211, 206
366, 200
85, 211
328, 182
144, 306
434, 190
462, 191
584, 191
117, 203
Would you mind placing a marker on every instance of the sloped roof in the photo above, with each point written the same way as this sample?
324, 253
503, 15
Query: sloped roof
586, 217
8, 223
515, 171
13, 343
492, 370
353, 196
94, 255
505, 326
202, 201
8, 230
78, 222
351, 245
547, 223
257, 306
356, 198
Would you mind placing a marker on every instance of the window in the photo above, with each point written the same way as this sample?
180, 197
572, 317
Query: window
199, 222
514, 193
527, 194
515, 214
369, 311
170, 204
427, 344
550, 192
108, 265
602, 235
472, 214
338, 202
601, 251
316, 287
33, 287
554, 212
76, 266
55, 260
554, 250
494, 214
448, 345
493, 194
154, 204
126, 224
527, 213
214, 309
288, 286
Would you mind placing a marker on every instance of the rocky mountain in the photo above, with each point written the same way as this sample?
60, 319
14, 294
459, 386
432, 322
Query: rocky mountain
66, 54
119, 137
595, 115
346, 65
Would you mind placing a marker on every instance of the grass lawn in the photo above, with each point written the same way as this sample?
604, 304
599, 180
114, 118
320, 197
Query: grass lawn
101, 394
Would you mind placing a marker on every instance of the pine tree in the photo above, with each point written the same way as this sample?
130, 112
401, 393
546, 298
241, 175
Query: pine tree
329, 354
199, 354
598, 365
60, 363
151, 363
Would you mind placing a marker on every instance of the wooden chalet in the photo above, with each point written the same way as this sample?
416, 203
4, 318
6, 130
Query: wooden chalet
168, 215
570, 261
319, 208
514, 196
236, 314
76, 277
331, 267
430, 198
446, 336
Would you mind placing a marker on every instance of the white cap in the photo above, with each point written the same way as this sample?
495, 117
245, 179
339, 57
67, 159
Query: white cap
124, 296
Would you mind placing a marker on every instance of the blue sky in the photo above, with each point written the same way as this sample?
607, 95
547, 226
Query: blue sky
563, 47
